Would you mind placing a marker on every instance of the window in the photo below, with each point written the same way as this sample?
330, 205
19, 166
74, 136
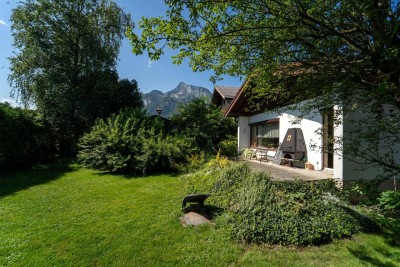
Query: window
265, 134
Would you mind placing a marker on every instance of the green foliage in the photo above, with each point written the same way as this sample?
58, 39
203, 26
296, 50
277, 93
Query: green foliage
203, 122
228, 147
366, 191
289, 50
262, 210
220, 162
277, 213
71, 216
246, 152
322, 39
389, 202
24, 138
193, 163
131, 142
65, 63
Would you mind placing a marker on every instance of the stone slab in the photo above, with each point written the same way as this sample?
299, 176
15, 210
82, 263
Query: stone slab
194, 218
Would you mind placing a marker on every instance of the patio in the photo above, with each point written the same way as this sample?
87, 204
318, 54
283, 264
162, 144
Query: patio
286, 172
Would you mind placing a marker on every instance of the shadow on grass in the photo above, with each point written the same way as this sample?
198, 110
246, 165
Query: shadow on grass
389, 231
14, 181
137, 176
363, 254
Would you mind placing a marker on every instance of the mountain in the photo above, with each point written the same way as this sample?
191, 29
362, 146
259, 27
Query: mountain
168, 101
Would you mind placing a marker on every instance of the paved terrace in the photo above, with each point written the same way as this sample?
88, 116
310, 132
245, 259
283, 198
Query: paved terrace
286, 172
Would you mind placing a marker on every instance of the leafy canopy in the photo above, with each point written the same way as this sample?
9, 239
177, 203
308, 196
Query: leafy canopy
335, 52
65, 58
354, 42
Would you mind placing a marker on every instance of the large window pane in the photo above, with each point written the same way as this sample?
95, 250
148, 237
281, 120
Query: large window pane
270, 135
266, 135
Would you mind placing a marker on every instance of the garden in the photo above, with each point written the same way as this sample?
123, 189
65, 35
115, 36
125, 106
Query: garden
63, 214
88, 178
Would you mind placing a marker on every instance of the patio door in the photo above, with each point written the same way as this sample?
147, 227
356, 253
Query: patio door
328, 138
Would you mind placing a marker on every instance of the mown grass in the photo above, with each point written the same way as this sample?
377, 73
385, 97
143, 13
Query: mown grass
71, 216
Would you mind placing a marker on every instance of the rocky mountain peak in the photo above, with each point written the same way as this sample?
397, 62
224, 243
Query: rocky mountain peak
183, 93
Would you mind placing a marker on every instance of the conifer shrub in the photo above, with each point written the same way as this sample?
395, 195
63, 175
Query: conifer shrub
292, 212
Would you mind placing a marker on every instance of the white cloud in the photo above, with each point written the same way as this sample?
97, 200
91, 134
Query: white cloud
149, 64
2, 22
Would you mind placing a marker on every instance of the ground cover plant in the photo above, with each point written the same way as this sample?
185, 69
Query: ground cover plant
294, 212
67, 215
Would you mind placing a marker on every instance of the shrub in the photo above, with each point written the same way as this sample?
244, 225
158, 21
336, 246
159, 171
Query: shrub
193, 162
366, 191
291, 212
246, 152
25, 139
278, 212
228, 147
204, 123
389, 202
131, 142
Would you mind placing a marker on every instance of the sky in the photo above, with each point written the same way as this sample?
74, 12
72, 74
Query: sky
158, 75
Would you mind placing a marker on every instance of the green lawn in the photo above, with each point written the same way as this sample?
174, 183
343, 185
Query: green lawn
71, 216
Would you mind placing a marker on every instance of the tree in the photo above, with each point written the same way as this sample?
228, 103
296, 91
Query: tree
65, 59
356, 41
204, 122
24, 138
343, 53
126, 94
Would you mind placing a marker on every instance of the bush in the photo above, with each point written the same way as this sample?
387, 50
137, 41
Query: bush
262, 210
131, 142
192, 163
228, 147
25, 138
366, 191
291, 212
204, 123
389, 202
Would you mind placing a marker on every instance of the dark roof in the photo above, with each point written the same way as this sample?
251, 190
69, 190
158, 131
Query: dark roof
223, 93
226, 91
240, 103
236, 108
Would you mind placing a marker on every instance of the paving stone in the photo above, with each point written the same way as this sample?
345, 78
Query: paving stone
194, 218
285, 172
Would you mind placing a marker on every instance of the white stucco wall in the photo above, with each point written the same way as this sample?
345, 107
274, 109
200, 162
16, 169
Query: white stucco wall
337, 158
345, 168
243, 133
355, 168
310, 124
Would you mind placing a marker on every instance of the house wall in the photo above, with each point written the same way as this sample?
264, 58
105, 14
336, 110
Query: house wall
355, 168
346, 170
337, 158
243, 133
310, 124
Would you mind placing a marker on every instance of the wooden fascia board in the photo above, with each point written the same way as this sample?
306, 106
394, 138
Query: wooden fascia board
235, 99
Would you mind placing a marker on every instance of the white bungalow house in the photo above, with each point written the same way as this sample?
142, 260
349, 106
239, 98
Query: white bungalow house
267, 128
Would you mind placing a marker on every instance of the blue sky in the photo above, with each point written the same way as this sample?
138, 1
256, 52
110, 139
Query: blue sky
159, 75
